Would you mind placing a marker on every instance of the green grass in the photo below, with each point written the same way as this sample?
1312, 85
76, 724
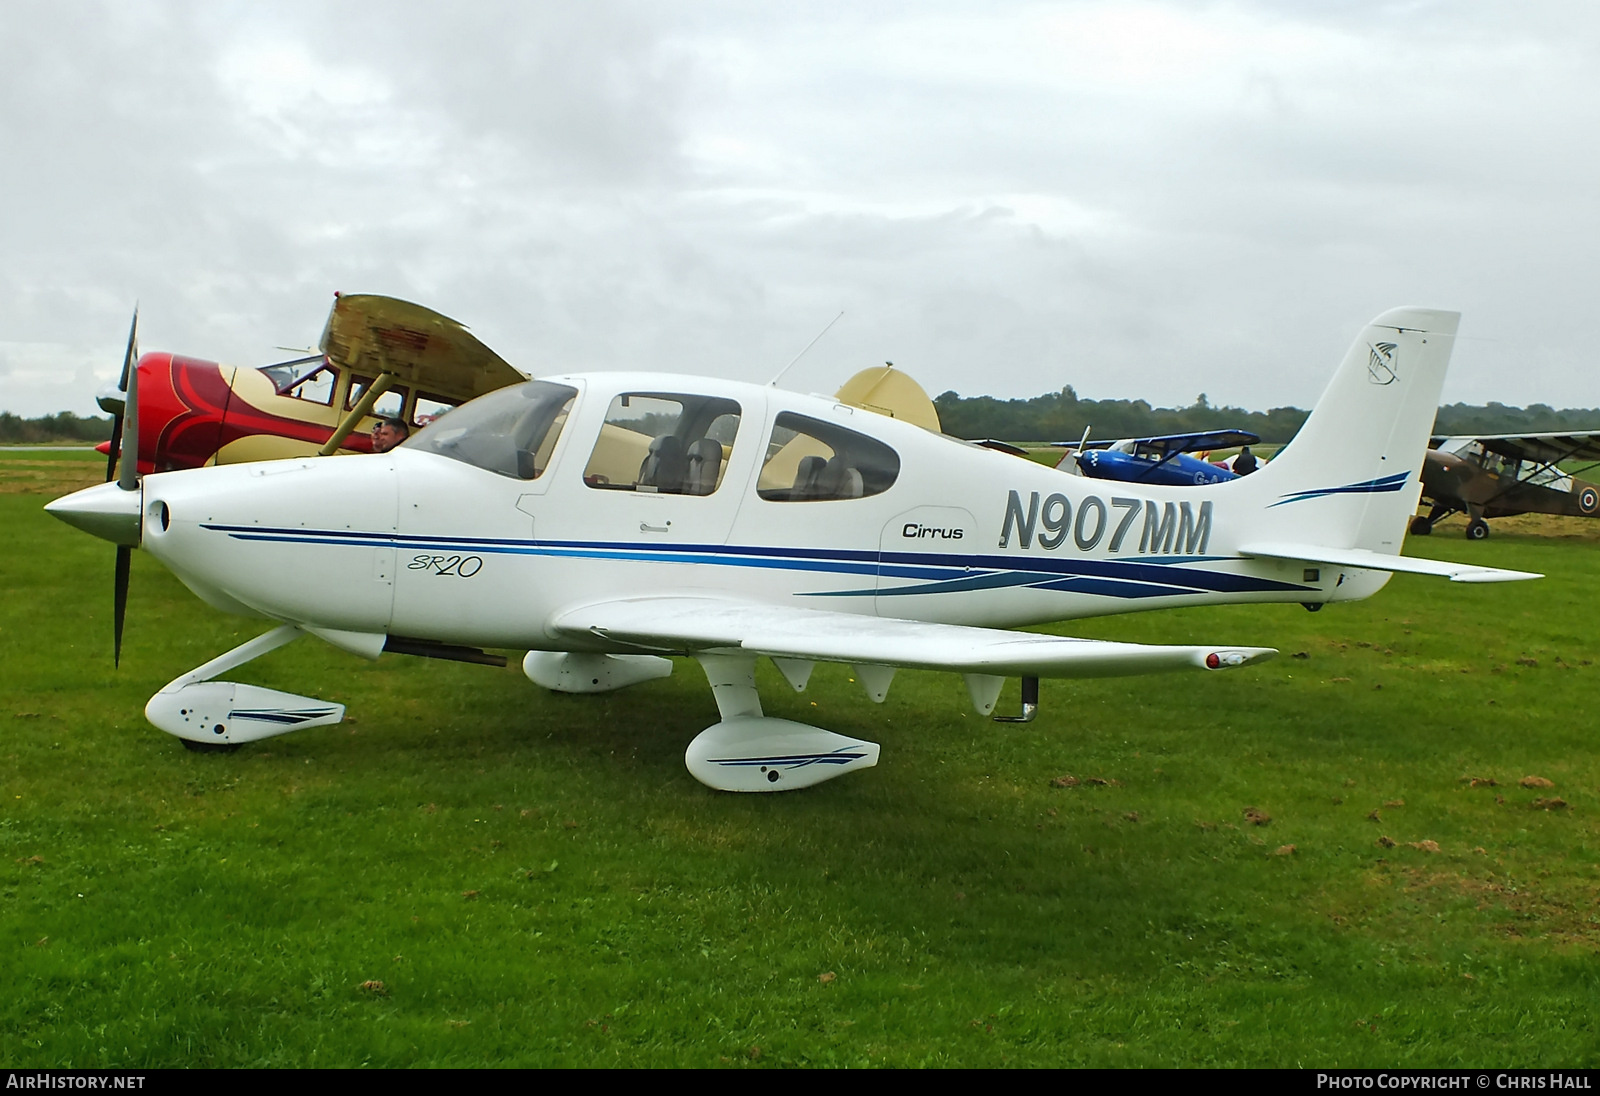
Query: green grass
536, 880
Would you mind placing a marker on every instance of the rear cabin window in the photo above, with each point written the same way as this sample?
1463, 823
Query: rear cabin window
429, 408
512, 432
669, 443
809, 460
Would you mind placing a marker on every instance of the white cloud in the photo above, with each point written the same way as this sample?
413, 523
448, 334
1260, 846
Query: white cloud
1137, 199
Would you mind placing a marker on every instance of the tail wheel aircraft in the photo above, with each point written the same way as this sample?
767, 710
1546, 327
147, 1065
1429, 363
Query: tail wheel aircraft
1162, 460
379, 358
603, 522
1505, 474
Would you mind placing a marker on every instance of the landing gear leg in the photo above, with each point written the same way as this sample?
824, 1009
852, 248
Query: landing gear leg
733, 684
1422, 526
1030, 703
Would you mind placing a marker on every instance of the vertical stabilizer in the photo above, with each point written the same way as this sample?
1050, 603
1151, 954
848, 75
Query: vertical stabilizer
1352, 475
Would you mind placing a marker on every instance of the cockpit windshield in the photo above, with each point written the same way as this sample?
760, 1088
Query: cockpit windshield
511, 432
310, 378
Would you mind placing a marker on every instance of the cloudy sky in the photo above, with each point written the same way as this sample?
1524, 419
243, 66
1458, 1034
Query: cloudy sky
1137, 199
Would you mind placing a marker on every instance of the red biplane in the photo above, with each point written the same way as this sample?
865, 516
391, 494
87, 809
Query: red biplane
380, 358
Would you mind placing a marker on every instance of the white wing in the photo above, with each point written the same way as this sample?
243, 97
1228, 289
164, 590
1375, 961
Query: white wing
690, 624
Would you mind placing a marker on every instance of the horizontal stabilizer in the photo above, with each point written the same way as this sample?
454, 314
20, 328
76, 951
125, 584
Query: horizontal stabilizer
686, 624
1381, 561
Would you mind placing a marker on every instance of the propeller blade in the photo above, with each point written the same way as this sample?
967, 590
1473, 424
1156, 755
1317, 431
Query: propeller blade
119, 602
1083, 441
128, 358
128, 480
116, 446
132, 351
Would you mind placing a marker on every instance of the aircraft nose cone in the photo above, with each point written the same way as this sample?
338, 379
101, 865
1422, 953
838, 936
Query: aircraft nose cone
107, 511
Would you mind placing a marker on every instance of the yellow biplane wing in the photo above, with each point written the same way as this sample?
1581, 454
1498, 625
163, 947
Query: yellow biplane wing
372, 335
385, 342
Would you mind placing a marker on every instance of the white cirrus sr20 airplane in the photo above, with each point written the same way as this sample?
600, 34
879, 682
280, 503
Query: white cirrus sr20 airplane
600, 522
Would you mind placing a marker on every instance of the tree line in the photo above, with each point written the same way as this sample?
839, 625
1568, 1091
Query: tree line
63, 426
1061, 417
1055, 416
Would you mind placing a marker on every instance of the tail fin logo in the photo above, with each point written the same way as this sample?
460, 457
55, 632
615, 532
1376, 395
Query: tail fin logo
1381, 363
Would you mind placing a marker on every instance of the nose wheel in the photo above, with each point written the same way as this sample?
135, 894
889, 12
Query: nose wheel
208, 747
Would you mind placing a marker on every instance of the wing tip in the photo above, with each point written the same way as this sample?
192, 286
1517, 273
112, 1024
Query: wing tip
1232, 658
1494, 574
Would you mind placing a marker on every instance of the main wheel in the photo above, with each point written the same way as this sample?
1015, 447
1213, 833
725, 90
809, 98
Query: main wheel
1477, 529
1421, 526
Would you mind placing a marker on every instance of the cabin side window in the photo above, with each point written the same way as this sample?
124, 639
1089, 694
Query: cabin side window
809, 460
668, 443
512, 432
1492, 462
388, 405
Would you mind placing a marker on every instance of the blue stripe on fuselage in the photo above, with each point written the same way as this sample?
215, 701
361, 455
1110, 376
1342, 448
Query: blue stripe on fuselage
1144, 576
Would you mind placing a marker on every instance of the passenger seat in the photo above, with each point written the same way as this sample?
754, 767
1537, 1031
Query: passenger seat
705, 465
665, 466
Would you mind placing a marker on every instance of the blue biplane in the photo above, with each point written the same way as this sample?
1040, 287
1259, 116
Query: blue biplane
1162, 459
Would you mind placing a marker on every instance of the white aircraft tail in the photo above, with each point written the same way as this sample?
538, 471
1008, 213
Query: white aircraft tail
1352, 475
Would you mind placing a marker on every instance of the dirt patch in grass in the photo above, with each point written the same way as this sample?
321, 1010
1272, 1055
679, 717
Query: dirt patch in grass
1529, 910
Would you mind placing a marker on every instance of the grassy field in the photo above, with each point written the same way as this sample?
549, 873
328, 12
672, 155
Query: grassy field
1329, 860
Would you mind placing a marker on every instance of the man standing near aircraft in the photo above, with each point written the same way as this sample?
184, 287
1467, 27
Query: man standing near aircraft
1245, 462
389, 433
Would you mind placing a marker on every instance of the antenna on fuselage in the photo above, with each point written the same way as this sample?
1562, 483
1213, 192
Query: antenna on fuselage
773, 383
